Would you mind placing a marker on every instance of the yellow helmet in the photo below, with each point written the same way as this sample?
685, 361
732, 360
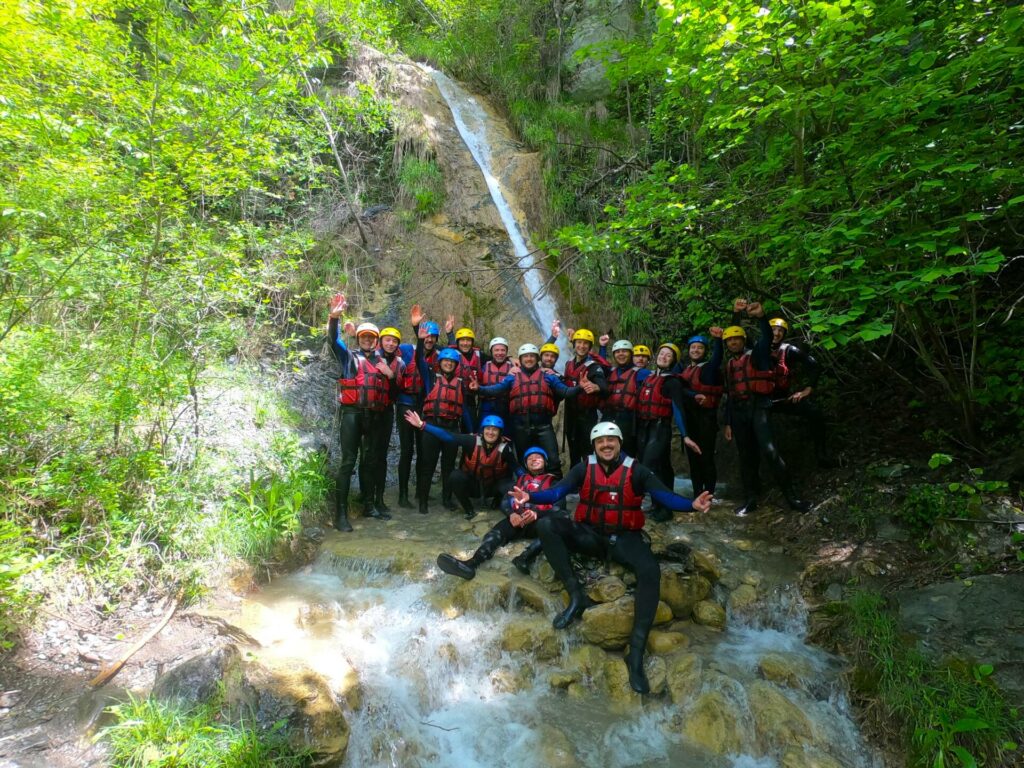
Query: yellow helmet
392, 332
584, 334
733, 331
550, 348
670, 345
641, 349
778, 322
464, 333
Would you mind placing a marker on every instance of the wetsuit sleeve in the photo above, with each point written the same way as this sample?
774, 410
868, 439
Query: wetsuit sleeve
424, 368
568, 484
339, 349
644, 480
711, 372
451, 340
675, 391
596, 374
603, 352
762, 351
810, 367
559, 387
500, 388
466, 441
552, 340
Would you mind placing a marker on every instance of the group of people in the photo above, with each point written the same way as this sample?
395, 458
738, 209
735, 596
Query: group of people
617, 425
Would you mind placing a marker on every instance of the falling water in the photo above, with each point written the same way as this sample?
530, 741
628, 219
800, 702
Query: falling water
472, 122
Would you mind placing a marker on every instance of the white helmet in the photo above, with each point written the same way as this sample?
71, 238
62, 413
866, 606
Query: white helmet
528, 349
622, 344
367, 328
497, 340
605, 429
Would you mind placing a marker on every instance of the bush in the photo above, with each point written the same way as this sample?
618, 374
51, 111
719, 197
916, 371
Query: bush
422, 186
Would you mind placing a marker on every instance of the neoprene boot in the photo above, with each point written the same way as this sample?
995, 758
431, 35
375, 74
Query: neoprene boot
341, 522
468, 511
749, 507
525, 559
578, 603
403, 499
379, 510
464, 569
635, 665
422, 501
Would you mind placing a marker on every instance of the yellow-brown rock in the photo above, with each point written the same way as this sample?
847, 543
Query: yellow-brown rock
533, 635
607, 589
610, 624
684, 677
778, 721
555, 748
714, 724
808, 757
682, 592
662, 643
710, 614
707, 565
785, 668
742, 598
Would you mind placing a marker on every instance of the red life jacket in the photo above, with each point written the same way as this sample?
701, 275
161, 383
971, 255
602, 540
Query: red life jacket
621, 390
397, 366
486, 465
712, 392
531, 393
445, 400
745, 380
573, 372
651, 404
783, 373
369, 389
492, 373
468, 369
531, 483
608, 502
412, 382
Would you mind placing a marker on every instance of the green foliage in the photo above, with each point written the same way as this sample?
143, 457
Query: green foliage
950, 714
155, 735
15, 561
857, 159
422, 185
924, 504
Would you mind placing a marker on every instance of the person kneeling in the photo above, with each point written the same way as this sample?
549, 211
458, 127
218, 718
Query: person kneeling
608, 524
520, 523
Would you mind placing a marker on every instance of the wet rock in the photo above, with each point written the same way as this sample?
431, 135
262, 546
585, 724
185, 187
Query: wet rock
616, 682
753, 578
610, 624
587, 662
663, 643
684, 677
510, 680
710, 614
742, 598
707, 565
607, 589
743, 545
563, 680
317, 613
778, 721
292, 693
489, 590
784, 668
807, 757
714, 724
834, 592
682, 592
532, 635
532, 595
92, 712
201, 678
556, 750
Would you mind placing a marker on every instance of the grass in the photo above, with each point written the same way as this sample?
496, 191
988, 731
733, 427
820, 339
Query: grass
421, 186
947, 715
155, 735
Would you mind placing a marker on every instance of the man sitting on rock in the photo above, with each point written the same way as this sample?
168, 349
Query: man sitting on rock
608, 524
520, 523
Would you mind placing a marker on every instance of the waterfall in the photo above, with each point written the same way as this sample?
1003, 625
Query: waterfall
472, 122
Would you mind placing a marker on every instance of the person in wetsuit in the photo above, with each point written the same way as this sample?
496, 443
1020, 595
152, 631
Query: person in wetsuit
702, 377
608, 524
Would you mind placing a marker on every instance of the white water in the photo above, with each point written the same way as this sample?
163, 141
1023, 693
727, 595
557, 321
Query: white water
472, 122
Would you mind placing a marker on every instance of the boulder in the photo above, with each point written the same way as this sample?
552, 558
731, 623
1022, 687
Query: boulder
662, 643
684, 677
530, 594
707, 565
555, 748
778, 721
714, 724
710, 614
807, 757
742, 598
202, 678
488, 590
785, 668
587, 662
607, 589
610, 624
562, 680
681, 592
533, 635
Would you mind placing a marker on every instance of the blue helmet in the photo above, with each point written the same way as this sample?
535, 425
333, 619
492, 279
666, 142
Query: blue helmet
448, 354
433, 329
533, 450
698, 340
492, 421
